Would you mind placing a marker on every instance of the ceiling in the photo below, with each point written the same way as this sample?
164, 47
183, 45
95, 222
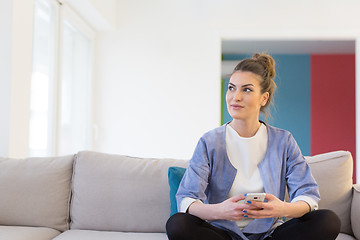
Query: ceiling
288, 46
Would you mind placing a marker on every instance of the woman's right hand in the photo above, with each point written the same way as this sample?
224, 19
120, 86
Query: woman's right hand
229, 209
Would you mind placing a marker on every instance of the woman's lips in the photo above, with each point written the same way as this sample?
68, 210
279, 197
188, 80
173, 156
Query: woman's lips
236, 107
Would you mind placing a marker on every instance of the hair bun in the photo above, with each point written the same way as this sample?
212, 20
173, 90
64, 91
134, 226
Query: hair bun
267, 61
262, 65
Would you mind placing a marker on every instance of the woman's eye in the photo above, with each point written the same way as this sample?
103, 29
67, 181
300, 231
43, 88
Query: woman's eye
231, 88
247, 90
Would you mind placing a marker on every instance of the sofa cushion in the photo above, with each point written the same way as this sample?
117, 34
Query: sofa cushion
175, 175
120, 193
343, 236
103, 235
355, 211
333, 172
27, 233
36, 191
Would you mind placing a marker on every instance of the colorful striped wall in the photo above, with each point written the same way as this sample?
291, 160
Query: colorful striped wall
315, 101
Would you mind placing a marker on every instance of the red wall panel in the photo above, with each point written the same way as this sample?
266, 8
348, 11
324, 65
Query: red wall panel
333, 104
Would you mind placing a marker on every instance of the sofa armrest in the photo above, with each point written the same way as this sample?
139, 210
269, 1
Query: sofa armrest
355, 211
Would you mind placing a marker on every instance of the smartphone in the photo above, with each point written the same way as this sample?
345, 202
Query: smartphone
259, 197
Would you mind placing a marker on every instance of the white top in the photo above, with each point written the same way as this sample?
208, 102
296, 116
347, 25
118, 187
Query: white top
245, 154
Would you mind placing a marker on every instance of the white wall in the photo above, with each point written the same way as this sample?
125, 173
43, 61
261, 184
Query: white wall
16, 17
157, 86
100, 14
21, 68
357, 106
5, 74
158, 74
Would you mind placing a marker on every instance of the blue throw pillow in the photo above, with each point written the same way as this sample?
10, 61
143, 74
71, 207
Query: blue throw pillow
175, 174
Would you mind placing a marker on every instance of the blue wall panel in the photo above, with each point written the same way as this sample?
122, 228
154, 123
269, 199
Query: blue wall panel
291, 109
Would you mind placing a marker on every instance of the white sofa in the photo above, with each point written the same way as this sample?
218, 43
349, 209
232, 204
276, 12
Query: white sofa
97, 196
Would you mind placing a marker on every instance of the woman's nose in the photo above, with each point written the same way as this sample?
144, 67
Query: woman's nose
237, 96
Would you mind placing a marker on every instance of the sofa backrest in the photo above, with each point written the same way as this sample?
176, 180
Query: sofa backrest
36, 192
333, 173
120, 193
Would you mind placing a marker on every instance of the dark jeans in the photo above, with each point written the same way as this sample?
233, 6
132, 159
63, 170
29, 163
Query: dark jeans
315, 225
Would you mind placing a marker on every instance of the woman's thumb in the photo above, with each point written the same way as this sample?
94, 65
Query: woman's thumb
237, 198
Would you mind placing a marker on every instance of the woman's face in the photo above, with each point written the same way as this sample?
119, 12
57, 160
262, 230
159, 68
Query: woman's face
243, 97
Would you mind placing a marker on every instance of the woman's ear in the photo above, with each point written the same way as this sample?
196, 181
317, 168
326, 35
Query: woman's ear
265, 98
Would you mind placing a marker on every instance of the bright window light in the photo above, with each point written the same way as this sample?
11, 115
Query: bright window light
42, 82
60, 111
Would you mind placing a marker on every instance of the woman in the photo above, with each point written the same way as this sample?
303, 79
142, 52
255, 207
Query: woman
249, 156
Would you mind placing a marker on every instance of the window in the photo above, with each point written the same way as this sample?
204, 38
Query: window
60, 112
42, 82
74, 121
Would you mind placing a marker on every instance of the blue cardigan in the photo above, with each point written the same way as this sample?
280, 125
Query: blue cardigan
210, 175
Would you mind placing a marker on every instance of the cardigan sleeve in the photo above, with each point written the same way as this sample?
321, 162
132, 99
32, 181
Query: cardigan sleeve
196, 178
310, 201
300, 182
185, 204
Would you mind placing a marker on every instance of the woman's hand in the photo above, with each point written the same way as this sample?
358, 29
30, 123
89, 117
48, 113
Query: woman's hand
274, 207
230, 209
233, 210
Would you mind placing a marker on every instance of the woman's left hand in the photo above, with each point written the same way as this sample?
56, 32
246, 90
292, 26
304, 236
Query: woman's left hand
274, 208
